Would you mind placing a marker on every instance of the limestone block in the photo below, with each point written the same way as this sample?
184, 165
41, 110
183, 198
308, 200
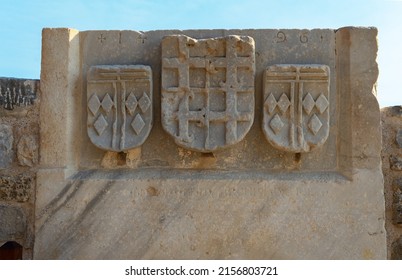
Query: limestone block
59, 74
207, 90
27, 151
119, 106
224, 195
296, 106
6, 145
12, 223
17, 187
156, 214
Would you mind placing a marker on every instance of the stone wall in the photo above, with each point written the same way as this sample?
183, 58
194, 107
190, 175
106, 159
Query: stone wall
19, 154
392, 168
258, 193
209, 144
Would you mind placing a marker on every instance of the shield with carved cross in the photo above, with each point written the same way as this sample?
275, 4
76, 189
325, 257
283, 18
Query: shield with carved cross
296, 106
207, 90
119, 103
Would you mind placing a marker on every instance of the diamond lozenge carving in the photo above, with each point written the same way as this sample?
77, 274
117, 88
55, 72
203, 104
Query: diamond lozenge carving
119, 106
296, 120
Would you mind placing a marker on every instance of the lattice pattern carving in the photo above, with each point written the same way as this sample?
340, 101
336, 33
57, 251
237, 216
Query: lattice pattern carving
207, 90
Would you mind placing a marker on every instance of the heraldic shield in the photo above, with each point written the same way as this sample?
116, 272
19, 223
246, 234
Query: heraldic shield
119, 102
296, 106
207, 90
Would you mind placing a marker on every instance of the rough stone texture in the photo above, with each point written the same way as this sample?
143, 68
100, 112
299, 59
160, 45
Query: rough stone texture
17, 188
395, 162
396, 253
397, 207
15, 93
247, 201
16, 225
396, 111
19, 134
398, 138
119, 106
6, 145
12, 223
27, 151
296, 107
391, 124
207, 90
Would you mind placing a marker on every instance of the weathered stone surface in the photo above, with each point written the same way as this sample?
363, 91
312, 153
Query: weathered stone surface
27, 151
397, 202
398, 183
395, 162
207, 90
396, 253
200, 215
6, 145
391, 123
396, 111
12, 223
296, 106
57, 126
16, 93
398, 138
16, 188
119, 106
160, 149
243, 202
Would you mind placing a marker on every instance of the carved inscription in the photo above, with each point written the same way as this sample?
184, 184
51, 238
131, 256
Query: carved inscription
281, 37
207, 90
119, 102
303, 37
101, 38
296, 106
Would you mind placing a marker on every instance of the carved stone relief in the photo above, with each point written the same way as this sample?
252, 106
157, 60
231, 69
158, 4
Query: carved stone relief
296, 106
207, 90
119, 106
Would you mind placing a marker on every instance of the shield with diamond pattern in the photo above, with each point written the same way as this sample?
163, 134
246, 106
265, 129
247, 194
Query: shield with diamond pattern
296, 106
119, 102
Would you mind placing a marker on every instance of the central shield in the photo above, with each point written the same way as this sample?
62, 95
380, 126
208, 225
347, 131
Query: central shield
207, 90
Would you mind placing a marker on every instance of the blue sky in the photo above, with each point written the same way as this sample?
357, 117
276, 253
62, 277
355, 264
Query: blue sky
21, 23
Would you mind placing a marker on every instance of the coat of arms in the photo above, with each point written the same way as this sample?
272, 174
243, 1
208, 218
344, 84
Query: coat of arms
296, 106
207, 90
119, 102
